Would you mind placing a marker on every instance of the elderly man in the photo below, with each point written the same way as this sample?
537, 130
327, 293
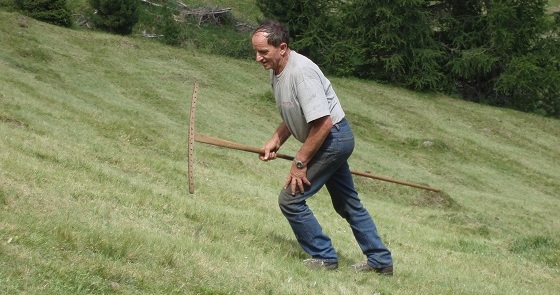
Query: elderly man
312, 113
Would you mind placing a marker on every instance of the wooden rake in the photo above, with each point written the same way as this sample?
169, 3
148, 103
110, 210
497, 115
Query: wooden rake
197, 137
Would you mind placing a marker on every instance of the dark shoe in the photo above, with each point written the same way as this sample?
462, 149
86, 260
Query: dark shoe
314, 263
365, 267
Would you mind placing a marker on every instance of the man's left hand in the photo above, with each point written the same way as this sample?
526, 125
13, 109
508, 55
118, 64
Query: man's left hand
296, 179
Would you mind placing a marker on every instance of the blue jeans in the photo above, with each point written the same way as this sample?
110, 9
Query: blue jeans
329, 167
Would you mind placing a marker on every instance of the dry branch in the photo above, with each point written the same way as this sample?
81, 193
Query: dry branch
82, 21
204, 15
151, 3
145, 34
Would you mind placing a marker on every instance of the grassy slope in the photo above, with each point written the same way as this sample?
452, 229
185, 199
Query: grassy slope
94, 197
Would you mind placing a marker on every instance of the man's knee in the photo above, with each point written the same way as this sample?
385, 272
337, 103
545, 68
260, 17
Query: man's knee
291, 205
284, 202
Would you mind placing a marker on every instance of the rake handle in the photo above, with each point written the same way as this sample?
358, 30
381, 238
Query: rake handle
234, 145
242, 147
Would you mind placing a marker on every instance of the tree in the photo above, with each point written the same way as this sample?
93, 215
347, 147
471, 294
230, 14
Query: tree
531, 81
296, 14
506, 53
397, 41
381, 40
306, 20
115, 16
501, 52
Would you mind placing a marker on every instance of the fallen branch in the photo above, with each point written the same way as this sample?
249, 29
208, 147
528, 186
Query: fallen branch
151, 3
183, 5
202, 14
150, 35
243, 27
82, 21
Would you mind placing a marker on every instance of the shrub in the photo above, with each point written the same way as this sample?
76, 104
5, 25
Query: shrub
115, 16
169, 28
51, 11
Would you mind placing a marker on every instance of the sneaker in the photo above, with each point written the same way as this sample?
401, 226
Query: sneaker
365, 267
314, 263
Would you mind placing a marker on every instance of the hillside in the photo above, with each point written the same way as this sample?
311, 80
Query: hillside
94, 195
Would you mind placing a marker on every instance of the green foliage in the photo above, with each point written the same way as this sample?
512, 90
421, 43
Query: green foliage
115, 16
532, 83
52, 11
7, 4
308, 22
383, 40
317, 31
397, 41
299, 15
221, 40
502, 52
506, 53
174, 27
160, 20
169, 28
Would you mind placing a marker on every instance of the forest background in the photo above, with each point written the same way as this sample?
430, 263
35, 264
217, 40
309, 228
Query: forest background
498, 52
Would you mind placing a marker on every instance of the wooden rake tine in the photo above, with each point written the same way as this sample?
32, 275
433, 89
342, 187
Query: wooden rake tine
191, 139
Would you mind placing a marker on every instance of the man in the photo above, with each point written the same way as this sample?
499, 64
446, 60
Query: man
312, 113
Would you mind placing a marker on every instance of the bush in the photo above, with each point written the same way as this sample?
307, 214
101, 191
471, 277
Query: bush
507, 55
115, 16
169, 28
220, 40
531, 82
51, 11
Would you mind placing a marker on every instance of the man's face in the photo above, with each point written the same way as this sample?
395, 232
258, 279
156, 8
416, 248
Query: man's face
268, 55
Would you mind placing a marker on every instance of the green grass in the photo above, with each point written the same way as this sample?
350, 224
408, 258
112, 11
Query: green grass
94, 193
555, 4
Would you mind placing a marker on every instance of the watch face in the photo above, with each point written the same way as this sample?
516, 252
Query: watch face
299, 164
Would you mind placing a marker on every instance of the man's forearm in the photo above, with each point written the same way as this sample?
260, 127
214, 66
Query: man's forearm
281, 134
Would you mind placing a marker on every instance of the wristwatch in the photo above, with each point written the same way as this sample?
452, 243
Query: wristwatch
299, 164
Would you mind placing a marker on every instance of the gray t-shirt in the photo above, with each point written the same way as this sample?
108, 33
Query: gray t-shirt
304, 94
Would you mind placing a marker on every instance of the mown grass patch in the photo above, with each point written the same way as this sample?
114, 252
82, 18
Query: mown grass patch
538, 248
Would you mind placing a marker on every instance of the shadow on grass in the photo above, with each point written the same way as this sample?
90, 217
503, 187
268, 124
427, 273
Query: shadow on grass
539, 248
403, 195
292, 250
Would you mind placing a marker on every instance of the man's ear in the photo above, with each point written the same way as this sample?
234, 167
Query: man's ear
283, 48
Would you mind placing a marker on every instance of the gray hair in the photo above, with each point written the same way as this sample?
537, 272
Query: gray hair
277, 32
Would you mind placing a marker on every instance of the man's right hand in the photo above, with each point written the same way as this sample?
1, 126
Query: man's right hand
269, 150
272, 146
